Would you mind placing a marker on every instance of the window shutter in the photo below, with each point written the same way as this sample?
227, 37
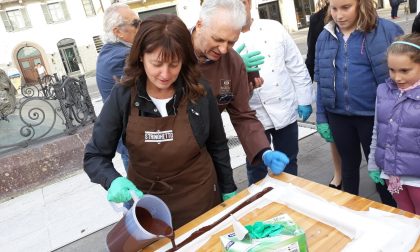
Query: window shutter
26, 18
47, 13
6, 21
65, 11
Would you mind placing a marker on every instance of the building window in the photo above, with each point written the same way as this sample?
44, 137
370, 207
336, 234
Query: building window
69, 55
55, 12
166, 10
88, 6
15, 20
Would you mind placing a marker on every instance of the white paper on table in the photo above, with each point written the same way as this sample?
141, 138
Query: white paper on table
372, 230
404, 231
239, 230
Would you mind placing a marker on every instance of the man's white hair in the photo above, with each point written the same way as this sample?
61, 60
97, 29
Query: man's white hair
112, 19
234, 8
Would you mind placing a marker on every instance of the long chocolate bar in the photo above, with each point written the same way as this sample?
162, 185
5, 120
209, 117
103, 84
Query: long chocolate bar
204, 229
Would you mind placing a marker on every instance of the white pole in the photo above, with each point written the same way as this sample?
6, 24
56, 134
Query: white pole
418, 6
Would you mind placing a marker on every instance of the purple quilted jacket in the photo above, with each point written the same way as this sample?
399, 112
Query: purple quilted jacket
398, 129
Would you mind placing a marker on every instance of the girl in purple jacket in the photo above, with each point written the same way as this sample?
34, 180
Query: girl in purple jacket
395, 149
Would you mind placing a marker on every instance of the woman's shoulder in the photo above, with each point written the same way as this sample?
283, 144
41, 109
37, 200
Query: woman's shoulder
325, 37
389, 84
318, 16
121, 93
121, 88
389, 26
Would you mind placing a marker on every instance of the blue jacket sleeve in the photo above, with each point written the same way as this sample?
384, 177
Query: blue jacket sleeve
320, 110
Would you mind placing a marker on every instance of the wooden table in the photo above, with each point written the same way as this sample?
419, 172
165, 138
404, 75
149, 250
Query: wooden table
320, 237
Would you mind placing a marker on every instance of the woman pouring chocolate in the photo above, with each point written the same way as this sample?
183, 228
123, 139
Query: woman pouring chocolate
170, 123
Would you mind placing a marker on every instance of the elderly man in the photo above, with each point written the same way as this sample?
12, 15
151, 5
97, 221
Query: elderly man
287, 89
215, 33
120, 27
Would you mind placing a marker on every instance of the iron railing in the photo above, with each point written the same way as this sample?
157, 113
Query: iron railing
34, 118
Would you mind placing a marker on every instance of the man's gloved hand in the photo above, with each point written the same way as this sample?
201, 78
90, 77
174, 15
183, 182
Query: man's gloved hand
227, 196
304, 111
251, 60
260, 230
119, 191
325, 132
375, 176
276, 160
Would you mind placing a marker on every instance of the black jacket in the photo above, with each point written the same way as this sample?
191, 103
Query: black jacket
204, 116
316, 25
416, 24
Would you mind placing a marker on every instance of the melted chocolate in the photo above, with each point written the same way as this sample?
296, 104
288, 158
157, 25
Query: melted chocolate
204, 229
120, 239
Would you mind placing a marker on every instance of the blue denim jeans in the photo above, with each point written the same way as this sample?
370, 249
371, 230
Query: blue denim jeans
394, 7
284, 140
124, 153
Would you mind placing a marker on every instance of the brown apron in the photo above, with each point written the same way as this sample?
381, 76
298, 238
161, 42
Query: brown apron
166, 161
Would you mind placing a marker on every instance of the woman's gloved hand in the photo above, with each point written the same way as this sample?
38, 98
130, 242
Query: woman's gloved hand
227, 196
375, 176
276, 160
304, 111
260, 230
251, 60
119, 191
325, 132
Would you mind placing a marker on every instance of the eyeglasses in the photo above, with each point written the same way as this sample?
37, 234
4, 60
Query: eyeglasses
135, 23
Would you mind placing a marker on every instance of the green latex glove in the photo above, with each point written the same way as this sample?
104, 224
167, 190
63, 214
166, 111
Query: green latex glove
251, 60
119, 191
375, 176
260, 230
227, 196
325, 132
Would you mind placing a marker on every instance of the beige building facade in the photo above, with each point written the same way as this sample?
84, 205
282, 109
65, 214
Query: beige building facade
61, 35
65, 35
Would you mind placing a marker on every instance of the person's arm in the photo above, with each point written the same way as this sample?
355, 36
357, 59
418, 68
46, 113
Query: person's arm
106, 133
393, 30
248, 128
320, 110
217, 146
371, 160
311, 41
373, 170
416, 24
110, 68
297, 70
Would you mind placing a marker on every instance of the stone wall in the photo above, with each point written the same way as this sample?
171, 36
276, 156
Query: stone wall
40, 164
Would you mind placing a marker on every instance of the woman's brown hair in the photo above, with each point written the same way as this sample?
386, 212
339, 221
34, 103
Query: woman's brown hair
367, 15
169, 33
410, 50
321, 4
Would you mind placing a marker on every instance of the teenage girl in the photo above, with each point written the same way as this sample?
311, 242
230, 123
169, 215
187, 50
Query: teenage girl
316, 25
350, 62
395, 149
